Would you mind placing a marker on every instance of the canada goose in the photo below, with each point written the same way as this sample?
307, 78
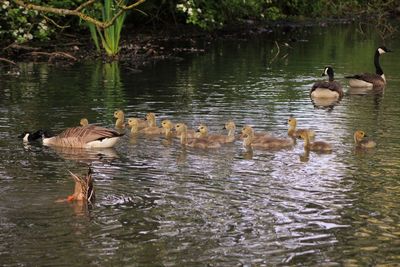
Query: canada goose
120, 116
30, 137
84, 189
361, 141
327, 89
84, 122
318, 146
181, 130
370, 80
293, 132
90, 136
263, 143
167, 127
230, 126
151, 130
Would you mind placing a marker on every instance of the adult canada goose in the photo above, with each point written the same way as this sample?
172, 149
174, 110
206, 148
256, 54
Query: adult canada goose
84, 189
181, 130
84, 122
293, 132
263, 143
330, 89
361, 141
230, 126
90, 136
120, 116
371, 80
318, 146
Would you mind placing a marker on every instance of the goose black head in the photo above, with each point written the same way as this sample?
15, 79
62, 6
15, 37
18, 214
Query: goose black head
30, 137
383, 49
328, 71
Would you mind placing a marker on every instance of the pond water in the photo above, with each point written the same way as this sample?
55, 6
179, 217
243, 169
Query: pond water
159, 204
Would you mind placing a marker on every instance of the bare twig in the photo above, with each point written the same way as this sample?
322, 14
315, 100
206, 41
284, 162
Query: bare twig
54, 54
277, 53
77, 12
8, 61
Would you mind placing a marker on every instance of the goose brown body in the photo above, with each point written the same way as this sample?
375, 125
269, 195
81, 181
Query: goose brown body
90, 136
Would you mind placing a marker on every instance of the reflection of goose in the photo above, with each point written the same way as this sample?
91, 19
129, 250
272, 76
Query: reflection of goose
330, 89
90, 136
263, 143
120, 116
181, 130
319, 146
293, 132
370, 80
86, 155
361, 141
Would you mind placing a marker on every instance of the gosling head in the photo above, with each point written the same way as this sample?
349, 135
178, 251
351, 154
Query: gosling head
167, 124
150, 116
202, 129
292, 122
247, 130
180, 127
359, 135
303, 135
119, 114
84, 122
133, 122
230, 125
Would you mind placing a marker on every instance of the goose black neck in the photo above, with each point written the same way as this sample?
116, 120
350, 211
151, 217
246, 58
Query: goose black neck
378, 69
331, 75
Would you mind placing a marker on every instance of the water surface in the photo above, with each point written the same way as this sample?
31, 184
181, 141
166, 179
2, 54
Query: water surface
159, 204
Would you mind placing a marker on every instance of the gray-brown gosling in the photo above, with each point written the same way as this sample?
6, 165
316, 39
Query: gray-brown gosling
263, 143
294, 132
361, 141
167, 127
330, 89
120, 122
181, 130
230, 126
371, 80
318, 146
84, 122
133, 123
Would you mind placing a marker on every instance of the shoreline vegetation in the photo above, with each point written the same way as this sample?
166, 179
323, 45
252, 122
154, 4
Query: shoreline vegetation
152, 34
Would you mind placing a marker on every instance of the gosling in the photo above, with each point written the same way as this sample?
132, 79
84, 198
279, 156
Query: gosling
361, 141
318, 146
181, 130
266, 142
293, 132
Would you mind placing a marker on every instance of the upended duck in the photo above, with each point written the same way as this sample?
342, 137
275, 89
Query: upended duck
90, 136
370, 80
330, 89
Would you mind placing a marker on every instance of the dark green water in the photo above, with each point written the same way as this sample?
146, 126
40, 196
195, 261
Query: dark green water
160, 205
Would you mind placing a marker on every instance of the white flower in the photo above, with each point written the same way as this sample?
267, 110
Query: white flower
190, 11
21, 30
199, 10
5, 4
29, 36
